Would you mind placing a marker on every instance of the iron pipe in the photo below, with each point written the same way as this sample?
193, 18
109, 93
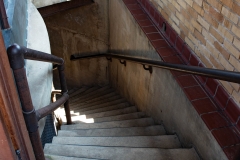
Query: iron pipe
42, 112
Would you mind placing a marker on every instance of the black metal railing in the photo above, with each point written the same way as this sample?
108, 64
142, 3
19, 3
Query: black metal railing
16, 55
229, 76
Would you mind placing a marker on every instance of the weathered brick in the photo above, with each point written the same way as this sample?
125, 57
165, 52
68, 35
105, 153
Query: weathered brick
206, 61
190, 43
199, 36
234, 62
196, 25
182, 3
174, 18
183, 29
199, 2
208, 36
231, 49
227, 24
189, 26
192, 13
225, 63
230, 15
176, 5
216, 35
235, 86
236, 8
189, 2
212, 50
236, 42
216, 63
171, 8
215, 14
220, 48
193, 39
198, 8
215, 4
236, 31
210, 20
185, 14
228, 3
204, 23
225, 33
206, 6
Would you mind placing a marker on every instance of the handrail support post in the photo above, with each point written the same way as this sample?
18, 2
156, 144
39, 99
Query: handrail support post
64, 90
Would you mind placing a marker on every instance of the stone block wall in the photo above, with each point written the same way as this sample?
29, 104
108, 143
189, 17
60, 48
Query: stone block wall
212, 30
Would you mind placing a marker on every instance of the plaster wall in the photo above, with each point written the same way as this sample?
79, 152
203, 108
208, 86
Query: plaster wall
77, 31
158, 94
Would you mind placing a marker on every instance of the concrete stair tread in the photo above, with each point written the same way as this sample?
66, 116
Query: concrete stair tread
113, 112
83, 98
128, 116
86, 93
127, 131
106, 104
100, 98
82, 118
120, 152
104, 109
95, 97
141, 122
54, 157
86, 104
165, 141
77, 92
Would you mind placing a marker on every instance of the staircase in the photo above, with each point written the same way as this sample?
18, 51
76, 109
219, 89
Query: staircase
106, 126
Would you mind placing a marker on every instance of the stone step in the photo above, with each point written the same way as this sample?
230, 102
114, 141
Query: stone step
71, 91
166, 141
78, 92
114, 132
82, 118
54, 157
86, 93
142, 122
103, 96
86, 105
96, 93
104, 109
112, 112
135, 115
122, 153
101, 105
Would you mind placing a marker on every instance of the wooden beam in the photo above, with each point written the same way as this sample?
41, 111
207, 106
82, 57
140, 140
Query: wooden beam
59, 7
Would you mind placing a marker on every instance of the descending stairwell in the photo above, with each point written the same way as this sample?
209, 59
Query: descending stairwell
106, 126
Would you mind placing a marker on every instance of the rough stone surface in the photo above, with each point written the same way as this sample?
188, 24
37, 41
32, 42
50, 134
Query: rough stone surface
157, 94
81, 30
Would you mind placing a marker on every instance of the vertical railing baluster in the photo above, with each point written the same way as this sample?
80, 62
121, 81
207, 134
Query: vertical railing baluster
64, 90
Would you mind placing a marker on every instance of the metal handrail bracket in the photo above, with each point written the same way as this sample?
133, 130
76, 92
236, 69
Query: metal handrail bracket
229, 76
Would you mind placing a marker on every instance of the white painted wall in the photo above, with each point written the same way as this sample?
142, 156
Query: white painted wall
39, 74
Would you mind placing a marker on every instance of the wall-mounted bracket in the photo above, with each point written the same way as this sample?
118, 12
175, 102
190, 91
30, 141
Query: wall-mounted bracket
123, 62
109, 59
149, 68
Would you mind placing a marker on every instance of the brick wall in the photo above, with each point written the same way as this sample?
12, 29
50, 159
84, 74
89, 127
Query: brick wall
211, 28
